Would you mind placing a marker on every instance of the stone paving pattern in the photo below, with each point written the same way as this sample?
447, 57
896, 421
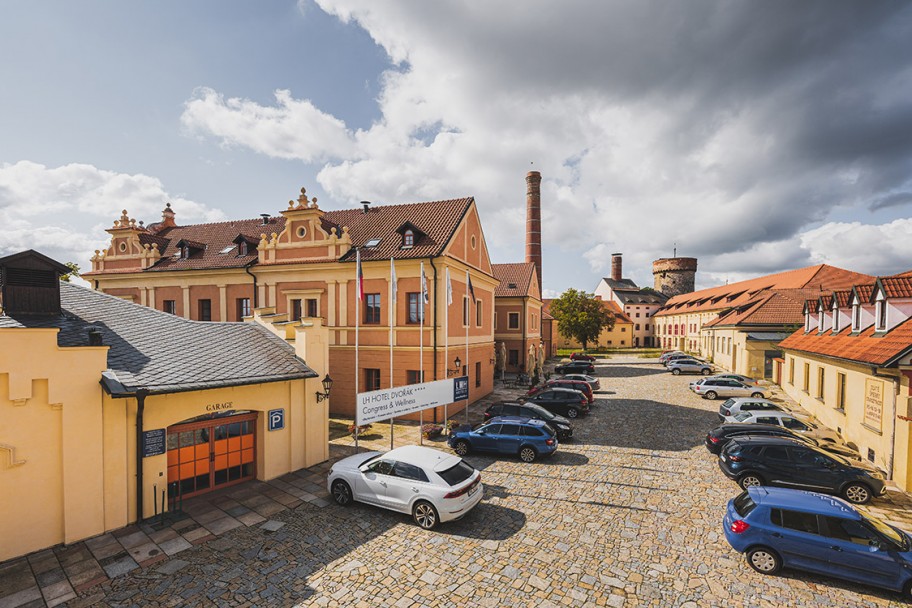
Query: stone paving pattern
627, 514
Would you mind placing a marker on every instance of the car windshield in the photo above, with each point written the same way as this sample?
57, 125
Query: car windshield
742, 416
457, 474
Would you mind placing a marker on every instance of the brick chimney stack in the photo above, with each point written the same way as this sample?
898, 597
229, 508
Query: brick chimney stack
533, 222
617, 269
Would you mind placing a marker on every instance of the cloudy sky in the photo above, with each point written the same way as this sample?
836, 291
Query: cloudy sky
755, 136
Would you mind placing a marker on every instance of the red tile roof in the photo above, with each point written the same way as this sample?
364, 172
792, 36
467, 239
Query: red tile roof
515, 279
820, 277
436, 220
843, 298
863, 348
773, 307
896, 286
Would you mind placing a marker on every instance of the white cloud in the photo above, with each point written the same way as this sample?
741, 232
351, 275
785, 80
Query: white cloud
648, 137
63, 211
291, 129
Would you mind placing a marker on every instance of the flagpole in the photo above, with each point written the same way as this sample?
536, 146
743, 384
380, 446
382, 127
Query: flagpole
358, 279
468, 313
392, 313
446, 338
421, 352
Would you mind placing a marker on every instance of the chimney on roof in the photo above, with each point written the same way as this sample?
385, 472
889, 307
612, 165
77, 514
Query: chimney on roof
265, 217
95, 338
366, 206
617, 268
533, 223
167, 218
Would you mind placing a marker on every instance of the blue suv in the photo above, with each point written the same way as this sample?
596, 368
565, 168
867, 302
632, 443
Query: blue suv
778, 527
526, 437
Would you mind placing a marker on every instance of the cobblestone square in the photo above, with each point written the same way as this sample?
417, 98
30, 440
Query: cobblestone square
627, 514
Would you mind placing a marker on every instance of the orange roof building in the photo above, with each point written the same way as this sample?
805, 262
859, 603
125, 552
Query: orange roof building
517, 316
850, 365
738, 325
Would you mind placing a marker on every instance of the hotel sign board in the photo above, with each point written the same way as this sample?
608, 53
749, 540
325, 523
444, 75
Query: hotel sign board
873, 404
389, 403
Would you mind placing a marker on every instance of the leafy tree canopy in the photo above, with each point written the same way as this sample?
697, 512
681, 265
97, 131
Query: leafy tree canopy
580, 316
74, 271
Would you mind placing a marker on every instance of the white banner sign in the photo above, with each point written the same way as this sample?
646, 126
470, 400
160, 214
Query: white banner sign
392, 402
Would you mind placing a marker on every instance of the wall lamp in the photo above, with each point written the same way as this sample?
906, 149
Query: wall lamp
327, 388
457, 368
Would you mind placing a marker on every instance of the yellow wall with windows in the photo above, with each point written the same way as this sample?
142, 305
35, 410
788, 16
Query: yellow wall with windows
68, 449
620, 336
865, 420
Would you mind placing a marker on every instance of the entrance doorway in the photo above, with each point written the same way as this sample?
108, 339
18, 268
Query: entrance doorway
209, 453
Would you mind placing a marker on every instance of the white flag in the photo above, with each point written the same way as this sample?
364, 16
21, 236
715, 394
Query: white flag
393, 280
449, 287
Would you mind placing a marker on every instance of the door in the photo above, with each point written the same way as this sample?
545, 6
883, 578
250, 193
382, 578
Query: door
510, 439
859, 554
373, 482
798, 540
407, 482
207, 454
486, 438
816, 469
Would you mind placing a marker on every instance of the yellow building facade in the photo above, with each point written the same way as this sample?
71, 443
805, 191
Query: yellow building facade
111, 412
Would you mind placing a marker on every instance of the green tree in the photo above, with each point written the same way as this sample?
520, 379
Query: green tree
74, 271
580, 316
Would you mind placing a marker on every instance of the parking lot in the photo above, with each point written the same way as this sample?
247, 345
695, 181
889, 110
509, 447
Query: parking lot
627, 514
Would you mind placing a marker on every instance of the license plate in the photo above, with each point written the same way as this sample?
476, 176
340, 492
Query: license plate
473, 490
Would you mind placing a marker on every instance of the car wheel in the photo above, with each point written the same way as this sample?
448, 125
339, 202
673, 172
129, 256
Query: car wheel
676, 371
757, 395
572, 412
424, 514
711, 395
749, 480
527, 453
342, 493
857, 493
764, 560
462, 447
907, 590
705, 371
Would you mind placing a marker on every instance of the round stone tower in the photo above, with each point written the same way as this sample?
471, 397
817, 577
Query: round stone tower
674, 276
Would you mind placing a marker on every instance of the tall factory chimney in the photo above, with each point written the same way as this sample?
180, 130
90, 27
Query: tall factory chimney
617, 270
533, 223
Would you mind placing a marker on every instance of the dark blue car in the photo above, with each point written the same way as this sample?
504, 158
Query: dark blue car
778, 527
527, 438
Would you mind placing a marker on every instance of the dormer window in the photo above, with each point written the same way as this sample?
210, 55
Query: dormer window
245, 245
185, 252
835, 318
856, 316
411, 235
408, 238
242, 248
881, 315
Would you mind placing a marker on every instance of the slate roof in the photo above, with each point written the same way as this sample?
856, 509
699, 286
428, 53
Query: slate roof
821, 277
641, 296
623, 284
163, 353
515, 279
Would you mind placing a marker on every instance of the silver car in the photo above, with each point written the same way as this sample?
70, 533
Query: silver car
692, 366
789, 421
736, 405
712, 388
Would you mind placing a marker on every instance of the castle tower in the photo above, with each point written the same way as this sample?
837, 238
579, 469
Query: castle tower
533, 222
674, 276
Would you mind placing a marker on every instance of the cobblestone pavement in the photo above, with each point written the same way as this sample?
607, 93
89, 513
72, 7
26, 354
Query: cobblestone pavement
627, 514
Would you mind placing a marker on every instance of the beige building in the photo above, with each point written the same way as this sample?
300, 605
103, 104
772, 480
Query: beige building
619, 336
112, 411
851, 367
636, 304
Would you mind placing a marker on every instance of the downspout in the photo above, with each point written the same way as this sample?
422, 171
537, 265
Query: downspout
896, 387
431, 260
524, 353
140, 408
247, 270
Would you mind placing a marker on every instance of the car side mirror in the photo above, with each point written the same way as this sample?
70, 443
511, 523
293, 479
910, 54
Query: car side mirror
876, 545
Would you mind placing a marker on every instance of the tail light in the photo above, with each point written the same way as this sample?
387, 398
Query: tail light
734, 458
458, 493
712, 439
549, 441
739, 526
726, 412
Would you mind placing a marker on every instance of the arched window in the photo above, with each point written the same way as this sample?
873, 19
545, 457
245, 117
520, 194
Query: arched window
408, 238
242, 248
